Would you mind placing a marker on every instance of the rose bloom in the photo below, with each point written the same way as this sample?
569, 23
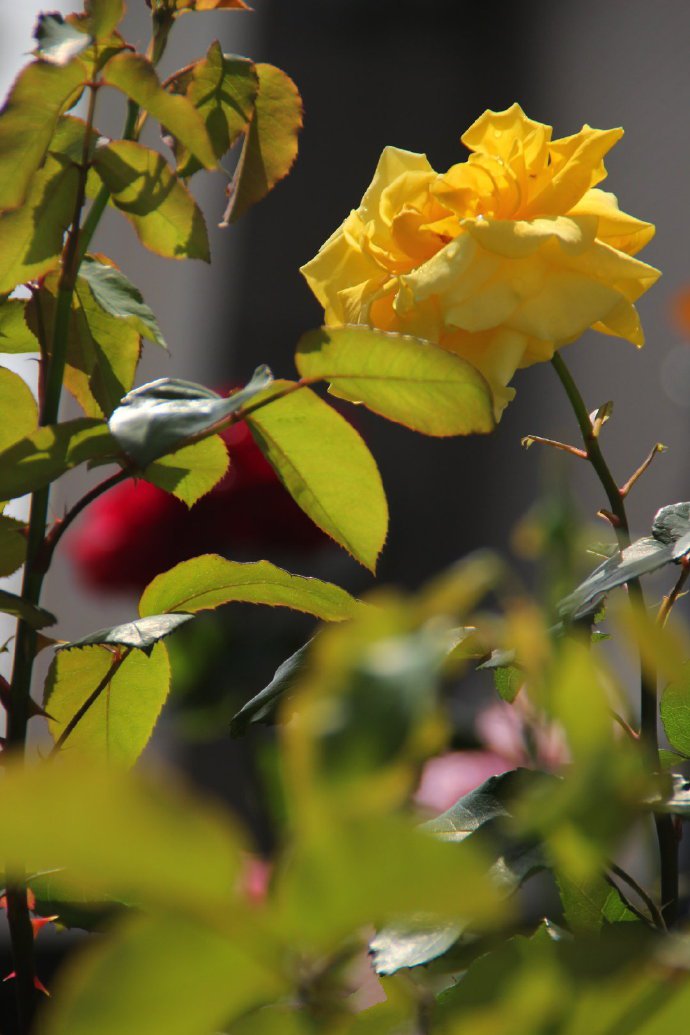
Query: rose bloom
136, 530
503, 259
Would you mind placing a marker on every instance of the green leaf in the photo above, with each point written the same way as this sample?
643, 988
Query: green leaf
403, 379
102, 351
36, 617
119, 723
589, 905
223, 90
136, 77
40, 458
186, 852
675, 712
262, 707
39, 95
144, 188
15, 336
270, 146
159, 417
207, 582
508, 682
163, 974
142, 633
640, 558
18, 409
12, 544
103, 16
32, 235
118, 297
326, 467
58, 41
192, 471
671, 523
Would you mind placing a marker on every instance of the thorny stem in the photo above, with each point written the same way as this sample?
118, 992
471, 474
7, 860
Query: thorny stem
60, 527
666, 834
21, 933
668, 601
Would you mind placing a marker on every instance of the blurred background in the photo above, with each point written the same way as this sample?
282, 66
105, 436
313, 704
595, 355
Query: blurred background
371, 73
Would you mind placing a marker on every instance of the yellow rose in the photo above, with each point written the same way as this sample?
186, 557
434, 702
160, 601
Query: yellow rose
503, 259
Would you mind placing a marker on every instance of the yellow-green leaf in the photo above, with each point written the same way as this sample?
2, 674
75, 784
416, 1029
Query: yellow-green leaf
161, 209
120, 722
192, 471
135, 76
32, 235
162, 975
327, 468
102, 16
39, 94
15, 335
186, 852
270, 147
102, 350
12, 544
207, 582
223, 90
18, 409
114, 293
45, 454
402, 378
182, 6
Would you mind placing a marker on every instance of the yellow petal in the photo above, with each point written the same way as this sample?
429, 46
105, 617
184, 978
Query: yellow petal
341, 262
516, 239
393, 162
497, 132
576, 164
621, 231
623, 322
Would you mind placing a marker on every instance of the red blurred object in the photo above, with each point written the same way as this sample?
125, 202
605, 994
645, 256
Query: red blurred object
136, 530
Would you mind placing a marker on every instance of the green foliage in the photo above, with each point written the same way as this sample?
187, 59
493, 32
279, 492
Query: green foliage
350, 507
189, 473
210, 581
39, 458
15, 335
142, 633
270, 145
119, 723
18, 410
118, 297
675, 712
402, 378
12, 544
144, 188
58, 41
136, 77
223, 90
39, 95
34, 616
263, 707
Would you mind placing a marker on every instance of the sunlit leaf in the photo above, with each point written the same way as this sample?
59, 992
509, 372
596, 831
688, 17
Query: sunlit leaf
158, 417
40, 458
103, 16
118, 297
162, 974
32, 235
326, 467
270, 147
102, 350
38, 96
142, 633
589, 905
36, 617
192, 471
136, 77
186, 852
642, 557
58, 41
118, 725
402, 378
18, 409
401, 947
223, 90
207, 582
162, 211
12, 544
15, 335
